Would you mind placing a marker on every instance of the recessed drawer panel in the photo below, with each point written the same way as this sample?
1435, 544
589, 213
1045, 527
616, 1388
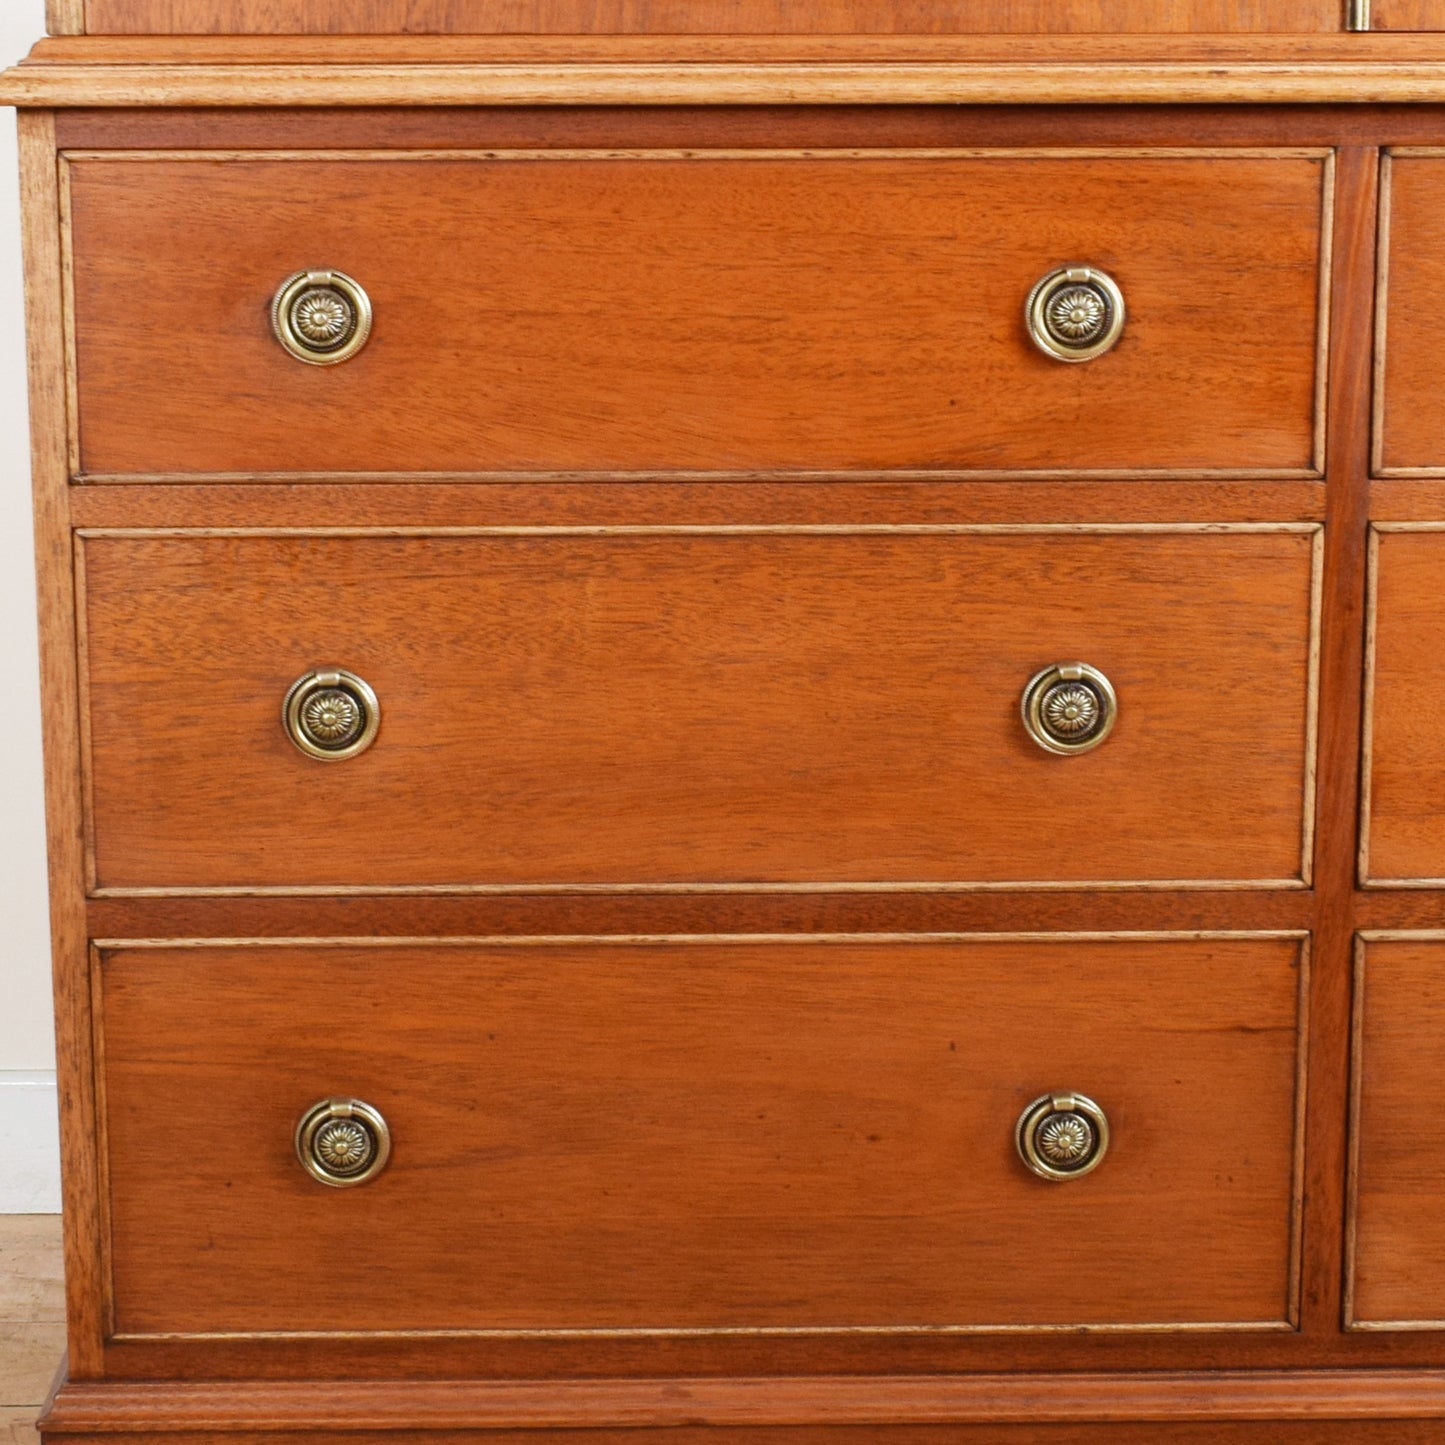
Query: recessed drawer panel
715, 707
1410, 421
662, 314
698, 1134
1404, 816
1397, 1278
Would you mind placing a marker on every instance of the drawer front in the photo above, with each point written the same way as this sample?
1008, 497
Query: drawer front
1397, 1195
1404, 816
701, 1134
1410, 422
1407, 14
666, 314
724, 707
708, 17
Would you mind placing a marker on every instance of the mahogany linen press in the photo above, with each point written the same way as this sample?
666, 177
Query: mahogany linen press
743, 718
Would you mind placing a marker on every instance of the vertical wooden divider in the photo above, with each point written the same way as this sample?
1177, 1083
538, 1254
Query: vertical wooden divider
1341, 677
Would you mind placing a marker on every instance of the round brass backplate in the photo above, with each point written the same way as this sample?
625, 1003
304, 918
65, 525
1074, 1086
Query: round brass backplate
342, 1142
1069, 708
331, 715
321, 317
1075, 313
1062, 1136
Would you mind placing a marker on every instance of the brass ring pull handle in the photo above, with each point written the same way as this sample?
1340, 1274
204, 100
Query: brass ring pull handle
1069, 708
321, 317
1075, 313
342, 1142
331, 715
1061, 1136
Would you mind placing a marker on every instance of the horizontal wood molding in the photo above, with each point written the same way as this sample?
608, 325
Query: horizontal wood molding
715, 71
461, 17
309, 1406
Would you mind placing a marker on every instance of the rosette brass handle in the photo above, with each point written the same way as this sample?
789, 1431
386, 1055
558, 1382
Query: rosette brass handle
331, 715
1061, 1136
321, 317
1069, 708
342, 1142
1075, 313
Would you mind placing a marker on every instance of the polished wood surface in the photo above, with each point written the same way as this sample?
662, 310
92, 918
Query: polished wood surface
665, 17
60, 722
1410, 434
715, 708
251, 71
1404, 830
1335, 915
1407, 15
1384, 1431
1163, 1401
1387, 1380
813, 315
1397, 1278
702, 1134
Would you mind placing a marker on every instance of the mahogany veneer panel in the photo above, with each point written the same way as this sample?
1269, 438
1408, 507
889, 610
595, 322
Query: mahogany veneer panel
1404, 839
1407, 15
783, 1134
637, 315
1398, 1274
478, 17
757, 705
1411, 422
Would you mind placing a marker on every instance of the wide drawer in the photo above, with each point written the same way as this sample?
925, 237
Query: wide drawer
663, 313
715, 707
1403, 842
712, 1133
1397, 1188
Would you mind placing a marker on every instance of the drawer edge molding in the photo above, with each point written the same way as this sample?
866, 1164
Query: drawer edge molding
377, 1405
1403, 77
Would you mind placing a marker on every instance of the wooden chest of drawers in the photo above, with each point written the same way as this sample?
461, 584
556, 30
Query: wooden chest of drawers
741, 718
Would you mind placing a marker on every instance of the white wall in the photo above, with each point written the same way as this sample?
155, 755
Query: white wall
29, 1168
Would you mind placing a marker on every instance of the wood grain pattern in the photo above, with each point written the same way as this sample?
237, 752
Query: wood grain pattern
774, 127
1164, 70
702, 1136
404, 502
1334, 922
468, 17
1398, 1255
65, 17
812, 315
637, 71
703, 1409
61, 731
727, 707
1407, 15
1403, 840
1410, 435
1214, 1432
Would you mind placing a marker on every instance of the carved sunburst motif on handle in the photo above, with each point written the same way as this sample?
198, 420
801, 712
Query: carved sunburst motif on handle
1077, 314
322, 316
344, 1146
1070, 710
1065, 1139
332, 717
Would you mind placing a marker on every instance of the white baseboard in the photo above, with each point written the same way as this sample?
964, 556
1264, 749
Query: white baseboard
29, 1144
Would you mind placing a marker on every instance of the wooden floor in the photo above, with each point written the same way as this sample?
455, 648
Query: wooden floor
32, 1315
